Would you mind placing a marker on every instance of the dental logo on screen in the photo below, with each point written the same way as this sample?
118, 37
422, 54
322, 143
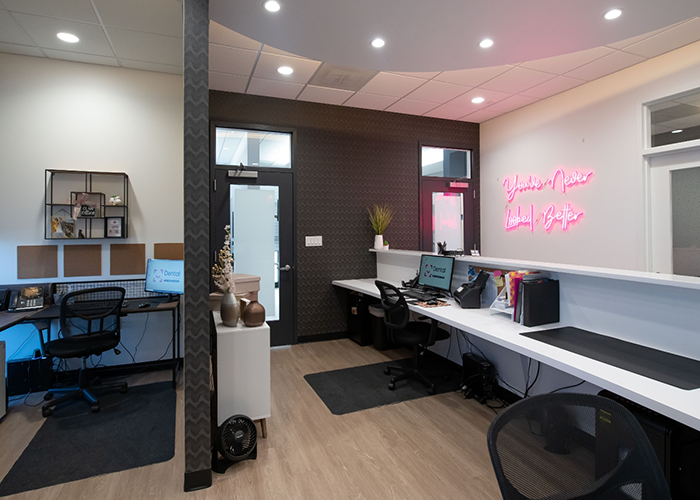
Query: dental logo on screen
157, 276
551, 216
432, 271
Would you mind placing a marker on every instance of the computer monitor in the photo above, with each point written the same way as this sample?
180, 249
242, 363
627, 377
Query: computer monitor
165, 276
436, 272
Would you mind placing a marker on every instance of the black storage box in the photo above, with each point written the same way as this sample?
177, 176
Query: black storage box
359, 319
540, 302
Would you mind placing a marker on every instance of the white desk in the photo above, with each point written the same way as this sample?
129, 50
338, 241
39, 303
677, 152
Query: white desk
678, 404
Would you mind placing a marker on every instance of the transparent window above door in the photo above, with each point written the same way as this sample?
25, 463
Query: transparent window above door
675, 119
443, 162
253, 148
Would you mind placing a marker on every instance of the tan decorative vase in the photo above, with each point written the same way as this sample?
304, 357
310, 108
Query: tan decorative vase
254, 314
230, 310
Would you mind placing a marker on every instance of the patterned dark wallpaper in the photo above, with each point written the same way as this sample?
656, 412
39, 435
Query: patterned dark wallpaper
346, 159
196, 237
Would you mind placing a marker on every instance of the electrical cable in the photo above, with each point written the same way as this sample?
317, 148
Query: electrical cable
21, 345
567, 387
145, 325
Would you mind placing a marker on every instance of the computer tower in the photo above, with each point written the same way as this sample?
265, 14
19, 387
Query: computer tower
28, 375
677, 447
478, 378
359, 318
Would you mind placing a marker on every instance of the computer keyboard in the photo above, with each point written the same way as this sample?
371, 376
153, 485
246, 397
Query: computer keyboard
419, 294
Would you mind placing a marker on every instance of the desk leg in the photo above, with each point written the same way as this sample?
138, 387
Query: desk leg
263, 427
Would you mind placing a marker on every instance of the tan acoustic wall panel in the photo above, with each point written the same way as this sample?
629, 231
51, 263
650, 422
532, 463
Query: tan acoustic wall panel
127, 258
82, 260
37, 261
171, 251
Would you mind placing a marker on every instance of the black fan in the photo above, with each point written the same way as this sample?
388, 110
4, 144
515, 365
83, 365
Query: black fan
236, 440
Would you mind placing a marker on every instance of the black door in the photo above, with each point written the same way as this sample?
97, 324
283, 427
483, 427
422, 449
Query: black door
259, 207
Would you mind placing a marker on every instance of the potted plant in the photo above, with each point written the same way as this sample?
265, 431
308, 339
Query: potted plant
380, 216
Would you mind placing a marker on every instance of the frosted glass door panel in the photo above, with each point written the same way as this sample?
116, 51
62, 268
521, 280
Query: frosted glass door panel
685, 205
448, 217
255, 240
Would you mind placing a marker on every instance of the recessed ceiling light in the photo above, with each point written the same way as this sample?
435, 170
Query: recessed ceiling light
67, 37
285, 70
478, 100
613, 14
485, 43
677, 131
377, 43
272, 6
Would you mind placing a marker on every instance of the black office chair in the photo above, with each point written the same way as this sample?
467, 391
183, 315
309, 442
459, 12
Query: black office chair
573, 446
90, 324
415, 334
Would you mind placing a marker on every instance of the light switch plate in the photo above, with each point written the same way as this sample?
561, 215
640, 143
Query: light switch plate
314, 241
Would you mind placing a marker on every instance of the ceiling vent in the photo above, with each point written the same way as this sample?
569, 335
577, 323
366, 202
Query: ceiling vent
340, 77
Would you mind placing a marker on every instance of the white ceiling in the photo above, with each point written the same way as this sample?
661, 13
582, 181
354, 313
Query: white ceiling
147, 35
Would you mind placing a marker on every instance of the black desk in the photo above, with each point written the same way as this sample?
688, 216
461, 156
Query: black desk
132, 307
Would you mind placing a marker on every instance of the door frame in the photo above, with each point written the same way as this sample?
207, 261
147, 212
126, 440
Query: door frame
215, 231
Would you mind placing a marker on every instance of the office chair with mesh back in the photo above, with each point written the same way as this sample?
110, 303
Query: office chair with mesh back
573, 446
414, 334
90, 324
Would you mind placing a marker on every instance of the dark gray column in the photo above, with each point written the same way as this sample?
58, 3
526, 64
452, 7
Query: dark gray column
196, 193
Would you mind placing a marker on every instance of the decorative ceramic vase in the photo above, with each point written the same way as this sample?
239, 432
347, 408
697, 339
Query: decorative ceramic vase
379, 242
230, 310
254, 314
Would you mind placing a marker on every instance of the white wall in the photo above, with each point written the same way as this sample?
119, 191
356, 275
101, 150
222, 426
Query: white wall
595, 127
73, 116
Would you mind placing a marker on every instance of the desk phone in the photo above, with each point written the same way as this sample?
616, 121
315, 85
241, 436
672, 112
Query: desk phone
27, 298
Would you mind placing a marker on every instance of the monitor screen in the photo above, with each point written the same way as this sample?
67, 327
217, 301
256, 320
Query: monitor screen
436, 271
165, 276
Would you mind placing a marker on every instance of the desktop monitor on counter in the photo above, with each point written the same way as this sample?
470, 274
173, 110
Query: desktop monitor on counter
165, 276
436, 272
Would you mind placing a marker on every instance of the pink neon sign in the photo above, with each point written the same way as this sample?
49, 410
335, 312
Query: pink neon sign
550, 216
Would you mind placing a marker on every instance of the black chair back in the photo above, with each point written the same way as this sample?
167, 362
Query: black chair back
95, 310
573, 446
396, 311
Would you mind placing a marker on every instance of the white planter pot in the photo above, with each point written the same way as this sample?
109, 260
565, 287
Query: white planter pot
379, 242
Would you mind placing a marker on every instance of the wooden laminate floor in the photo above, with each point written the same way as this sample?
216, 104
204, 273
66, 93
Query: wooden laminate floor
430, 448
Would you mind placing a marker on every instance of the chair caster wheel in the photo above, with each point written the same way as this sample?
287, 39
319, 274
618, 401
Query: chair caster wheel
48, 395
387, 371
95, 408
431, 390
391, 386
124, 389
46, 412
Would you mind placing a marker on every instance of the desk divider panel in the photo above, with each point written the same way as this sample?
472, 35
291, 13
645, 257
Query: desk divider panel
127, 258
37, 261
135, 289
82, 260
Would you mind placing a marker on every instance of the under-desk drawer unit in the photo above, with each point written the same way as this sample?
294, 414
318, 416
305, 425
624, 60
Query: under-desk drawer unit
242, 370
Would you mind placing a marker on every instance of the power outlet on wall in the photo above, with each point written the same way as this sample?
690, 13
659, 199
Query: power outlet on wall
314, 241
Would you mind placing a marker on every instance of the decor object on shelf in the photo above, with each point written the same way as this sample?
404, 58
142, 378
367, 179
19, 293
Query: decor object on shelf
115, 200
113, 227
379, 216
254, 314
386, 245
222, 274
68, 228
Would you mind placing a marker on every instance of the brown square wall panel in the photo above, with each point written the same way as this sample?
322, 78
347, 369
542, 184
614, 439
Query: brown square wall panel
170, 251
127, 258
82, 260
37, 261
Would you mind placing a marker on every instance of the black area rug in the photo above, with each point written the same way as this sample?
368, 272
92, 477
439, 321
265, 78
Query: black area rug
362, 387
130, 430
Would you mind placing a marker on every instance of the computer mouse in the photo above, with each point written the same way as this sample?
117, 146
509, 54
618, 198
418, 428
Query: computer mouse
145, 304
432, 302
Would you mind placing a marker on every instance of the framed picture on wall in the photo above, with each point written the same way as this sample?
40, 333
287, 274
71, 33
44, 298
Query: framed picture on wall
113, 227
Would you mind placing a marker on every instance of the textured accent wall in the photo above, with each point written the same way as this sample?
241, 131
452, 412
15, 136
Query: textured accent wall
196, 238
346, 159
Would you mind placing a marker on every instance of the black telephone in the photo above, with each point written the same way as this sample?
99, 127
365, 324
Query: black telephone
27, 298
410, 283
4, 299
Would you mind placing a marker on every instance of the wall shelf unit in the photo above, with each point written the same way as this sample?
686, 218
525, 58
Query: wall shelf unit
80, 204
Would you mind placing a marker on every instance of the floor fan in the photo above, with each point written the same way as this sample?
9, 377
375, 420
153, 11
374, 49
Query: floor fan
236, 440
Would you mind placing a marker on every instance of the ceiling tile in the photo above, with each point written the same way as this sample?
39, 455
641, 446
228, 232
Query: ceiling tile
516, 80
472, 77
481, 115
605, 65
75, 10
273, 88
668, 40
271, 50
83, 58
43, 30
11, 31
448, 112
411, 107
561, 64
268, 64
227, 83
24, 50
221, 35
629, 41
392, 85
370, 101
162, 17
490, 97
437, 92
552, 87
324, 95
230, 60
151, 66
426, 75
512, 103
146, 46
